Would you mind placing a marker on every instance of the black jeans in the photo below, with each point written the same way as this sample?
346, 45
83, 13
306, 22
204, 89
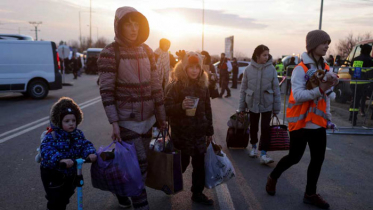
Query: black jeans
59, 188
234, 80
198, 175
224, 85
264, 126
316, 139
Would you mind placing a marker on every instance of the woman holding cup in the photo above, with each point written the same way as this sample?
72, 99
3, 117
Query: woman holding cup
188, 107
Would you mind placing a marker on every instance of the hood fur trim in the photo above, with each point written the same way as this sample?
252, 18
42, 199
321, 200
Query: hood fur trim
62, 104
181, 75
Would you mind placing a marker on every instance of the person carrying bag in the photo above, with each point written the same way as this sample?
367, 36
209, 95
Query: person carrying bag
279, 137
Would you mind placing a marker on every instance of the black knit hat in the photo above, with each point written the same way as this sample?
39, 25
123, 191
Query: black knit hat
366, 49
315, 38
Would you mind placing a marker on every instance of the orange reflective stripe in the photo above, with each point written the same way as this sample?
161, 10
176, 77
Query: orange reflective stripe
298, 114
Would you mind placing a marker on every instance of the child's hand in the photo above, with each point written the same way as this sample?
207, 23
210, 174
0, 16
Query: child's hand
69, 163
92, 157
188, 104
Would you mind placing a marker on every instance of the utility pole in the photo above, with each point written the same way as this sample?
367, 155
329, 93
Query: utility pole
80, 30
90, 23
36, 24
203, 24
321, 9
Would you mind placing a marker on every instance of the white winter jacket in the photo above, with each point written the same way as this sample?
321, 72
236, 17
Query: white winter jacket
260, 90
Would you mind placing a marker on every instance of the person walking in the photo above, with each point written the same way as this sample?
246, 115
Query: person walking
75, 65
225, 67
308, 113
234, 73
131, 91
209, 68
361, 70
190, 132
260, 94
289, 70
279, 67
162, 59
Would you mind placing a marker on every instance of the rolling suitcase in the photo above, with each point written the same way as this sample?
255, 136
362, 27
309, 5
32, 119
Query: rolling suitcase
238, 131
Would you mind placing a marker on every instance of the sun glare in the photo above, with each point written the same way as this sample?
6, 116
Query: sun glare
175, 26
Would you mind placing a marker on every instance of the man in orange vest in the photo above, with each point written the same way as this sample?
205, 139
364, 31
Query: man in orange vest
308, 114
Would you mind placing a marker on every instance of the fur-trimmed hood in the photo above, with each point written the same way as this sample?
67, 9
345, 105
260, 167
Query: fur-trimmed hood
180, 70
59, 108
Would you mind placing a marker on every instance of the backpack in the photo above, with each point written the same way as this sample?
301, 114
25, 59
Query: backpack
38, 156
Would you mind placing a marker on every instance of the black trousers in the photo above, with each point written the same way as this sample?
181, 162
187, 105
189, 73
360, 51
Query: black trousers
234, 80
356, 101
316, 139
264, 126
59, 188
224, 86
198, 174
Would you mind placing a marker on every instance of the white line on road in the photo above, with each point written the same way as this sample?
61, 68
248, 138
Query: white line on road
40, 122
224, 197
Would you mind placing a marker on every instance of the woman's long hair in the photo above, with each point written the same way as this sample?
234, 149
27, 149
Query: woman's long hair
258, 51
207, 60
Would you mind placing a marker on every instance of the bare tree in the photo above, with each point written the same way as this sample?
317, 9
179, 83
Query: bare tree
240, 56
73, 44
344, 46
101, 42
85, 43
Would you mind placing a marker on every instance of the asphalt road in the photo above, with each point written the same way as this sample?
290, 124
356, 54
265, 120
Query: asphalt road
345, 180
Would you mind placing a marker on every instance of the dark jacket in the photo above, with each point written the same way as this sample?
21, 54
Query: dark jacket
189, 133
64, 145
367, 72
235, 68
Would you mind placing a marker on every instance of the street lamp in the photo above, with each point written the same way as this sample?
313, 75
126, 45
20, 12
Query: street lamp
321, 10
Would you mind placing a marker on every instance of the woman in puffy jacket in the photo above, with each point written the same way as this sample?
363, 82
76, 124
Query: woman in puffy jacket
260, 94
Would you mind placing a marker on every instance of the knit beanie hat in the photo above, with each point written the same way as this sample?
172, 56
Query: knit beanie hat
190, 58
315, 38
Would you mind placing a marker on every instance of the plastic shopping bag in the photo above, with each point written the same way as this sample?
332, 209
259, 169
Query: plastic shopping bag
218, 168
121, 175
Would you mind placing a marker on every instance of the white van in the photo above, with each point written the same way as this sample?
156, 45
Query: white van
30, 68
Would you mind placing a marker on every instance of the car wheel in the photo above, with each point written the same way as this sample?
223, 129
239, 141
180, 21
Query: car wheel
38, 89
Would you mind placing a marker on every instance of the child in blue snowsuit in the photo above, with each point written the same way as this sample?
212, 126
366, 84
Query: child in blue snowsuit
63, 145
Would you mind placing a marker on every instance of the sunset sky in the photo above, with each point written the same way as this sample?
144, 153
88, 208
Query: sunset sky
280, 24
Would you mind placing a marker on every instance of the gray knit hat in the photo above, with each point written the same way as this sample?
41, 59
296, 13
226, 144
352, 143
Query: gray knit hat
315, 38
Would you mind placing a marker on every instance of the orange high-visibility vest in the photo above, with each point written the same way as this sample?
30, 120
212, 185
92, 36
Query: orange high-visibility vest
298, 114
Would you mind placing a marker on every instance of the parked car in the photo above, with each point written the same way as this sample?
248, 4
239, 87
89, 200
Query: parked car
15, 37
30, 68
343, 90
91, 61
242, 65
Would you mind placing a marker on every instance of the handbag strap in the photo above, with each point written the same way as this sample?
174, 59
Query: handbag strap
275, 117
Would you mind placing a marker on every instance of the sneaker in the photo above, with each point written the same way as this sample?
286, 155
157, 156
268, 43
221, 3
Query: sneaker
315, 200
253, 153
265, 159
124, 202
202, 199
271, 185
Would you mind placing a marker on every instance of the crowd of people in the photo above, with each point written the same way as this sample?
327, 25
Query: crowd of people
145, 88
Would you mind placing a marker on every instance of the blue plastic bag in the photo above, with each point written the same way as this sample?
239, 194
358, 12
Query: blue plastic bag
121, 175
